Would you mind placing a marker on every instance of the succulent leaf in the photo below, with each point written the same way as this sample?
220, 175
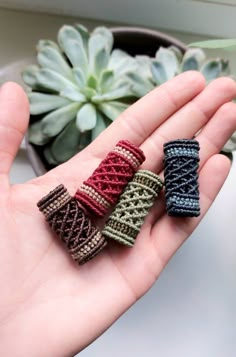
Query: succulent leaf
100, 125
29, 76
140, 86
112, 109
95, 44
49, 57
144, 64
192, 60
101, 61
80, 77
86, 118
92, 82
211, 69
68, 33
226, 44
48, 156
107, 36
73, 95
158, 72
41, 103
66, 143
122, 63
84, 34
36, 135
225, 67
190, 64
85, 140
53, 123
177, 52
118, 56
75, 52
97, 53
106, 80
89, 93
168, 60
52, 80
47, 43
231, 144
115, 94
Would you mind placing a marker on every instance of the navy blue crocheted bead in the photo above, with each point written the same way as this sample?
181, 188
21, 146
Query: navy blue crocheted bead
181, 162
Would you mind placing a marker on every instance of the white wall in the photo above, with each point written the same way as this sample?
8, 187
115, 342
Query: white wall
210, 17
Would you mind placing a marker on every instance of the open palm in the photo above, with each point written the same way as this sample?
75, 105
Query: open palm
49, 306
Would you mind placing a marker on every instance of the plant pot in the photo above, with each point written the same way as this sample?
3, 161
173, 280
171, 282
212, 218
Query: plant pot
133, 40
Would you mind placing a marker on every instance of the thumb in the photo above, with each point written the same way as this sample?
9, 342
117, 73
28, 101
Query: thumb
14, 117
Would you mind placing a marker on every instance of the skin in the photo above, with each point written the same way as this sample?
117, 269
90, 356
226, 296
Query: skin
48, 305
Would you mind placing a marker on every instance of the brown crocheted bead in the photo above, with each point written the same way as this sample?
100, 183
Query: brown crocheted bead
82, 239
53, 201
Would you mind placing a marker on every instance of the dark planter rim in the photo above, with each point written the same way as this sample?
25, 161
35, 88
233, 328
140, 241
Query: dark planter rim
149, 32
34, 158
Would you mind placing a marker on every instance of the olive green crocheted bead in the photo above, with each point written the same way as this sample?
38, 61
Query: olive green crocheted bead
126, 220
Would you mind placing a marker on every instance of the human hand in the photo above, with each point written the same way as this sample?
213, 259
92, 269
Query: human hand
48, 305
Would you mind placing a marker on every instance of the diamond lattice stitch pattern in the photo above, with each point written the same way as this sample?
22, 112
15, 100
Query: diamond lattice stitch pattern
103, 188
181, 164
67, 219
126, 220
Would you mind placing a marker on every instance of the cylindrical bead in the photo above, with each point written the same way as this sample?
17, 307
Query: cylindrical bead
181, 162
126, 220
67, 219
103, 188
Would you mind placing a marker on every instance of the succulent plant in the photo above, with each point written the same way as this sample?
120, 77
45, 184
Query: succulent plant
169, 62
228, 44
78, 87
81, 84
231, 144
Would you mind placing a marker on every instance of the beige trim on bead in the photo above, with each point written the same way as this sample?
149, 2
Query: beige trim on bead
94, 195
57, 203
128, 155
86, 248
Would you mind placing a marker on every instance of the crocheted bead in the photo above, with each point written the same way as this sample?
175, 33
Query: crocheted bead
54, 201
134, 204
63, 213
104, 186
181, 163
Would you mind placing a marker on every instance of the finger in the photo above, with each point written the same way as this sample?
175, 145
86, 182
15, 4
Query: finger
217, 132
170, 232
188, 121
14, 115
136, 123
142, 118
211, 140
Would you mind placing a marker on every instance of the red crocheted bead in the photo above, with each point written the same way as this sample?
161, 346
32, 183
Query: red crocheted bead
104, 186
138, 153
